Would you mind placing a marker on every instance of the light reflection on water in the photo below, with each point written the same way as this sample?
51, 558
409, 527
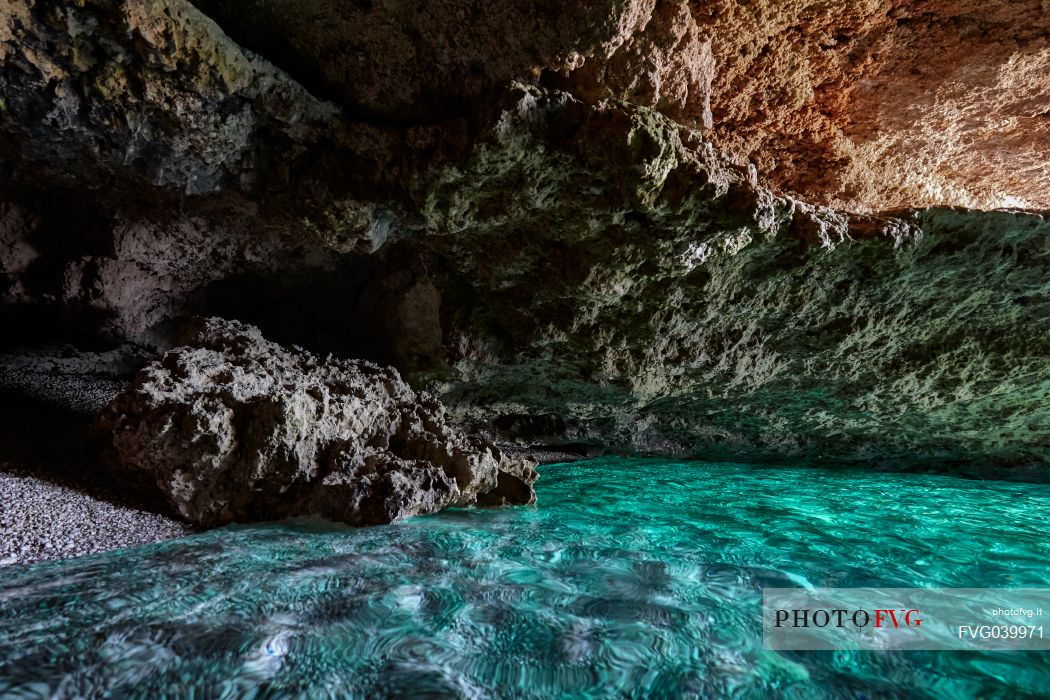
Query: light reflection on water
631, 578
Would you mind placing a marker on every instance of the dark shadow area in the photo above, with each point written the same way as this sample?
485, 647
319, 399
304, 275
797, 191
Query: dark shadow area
42, 438
318, 311
34, 325
380, 308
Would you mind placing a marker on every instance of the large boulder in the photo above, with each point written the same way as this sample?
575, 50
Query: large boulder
231, 427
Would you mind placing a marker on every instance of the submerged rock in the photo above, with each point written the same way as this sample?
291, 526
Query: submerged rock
232, 427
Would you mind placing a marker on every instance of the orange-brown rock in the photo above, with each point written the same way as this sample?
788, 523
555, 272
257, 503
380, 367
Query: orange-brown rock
885, 103
859, 104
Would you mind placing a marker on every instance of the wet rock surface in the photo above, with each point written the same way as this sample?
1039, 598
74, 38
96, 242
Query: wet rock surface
231, 427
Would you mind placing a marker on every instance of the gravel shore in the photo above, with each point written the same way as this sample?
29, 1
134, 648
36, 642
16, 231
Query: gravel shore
53, 502
41, 521
545, 455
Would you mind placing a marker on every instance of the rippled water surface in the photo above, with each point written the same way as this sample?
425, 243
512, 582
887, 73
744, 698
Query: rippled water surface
631, 578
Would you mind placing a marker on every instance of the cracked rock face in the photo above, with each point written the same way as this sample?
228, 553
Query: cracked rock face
231, 427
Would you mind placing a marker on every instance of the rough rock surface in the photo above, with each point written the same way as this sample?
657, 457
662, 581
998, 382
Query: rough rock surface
878, 104
863, 105
615, 274
571, 256
366, 56
232, 427
140, 103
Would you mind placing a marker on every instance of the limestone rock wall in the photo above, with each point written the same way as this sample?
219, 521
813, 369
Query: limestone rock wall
887, 103
862, 106
578, 222
367, 56
859, 105
138, 104
645, 293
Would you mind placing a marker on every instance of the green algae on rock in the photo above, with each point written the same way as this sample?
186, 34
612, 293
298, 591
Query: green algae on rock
661, 300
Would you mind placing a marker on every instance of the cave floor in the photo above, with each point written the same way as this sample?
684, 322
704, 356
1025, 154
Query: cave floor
53, 505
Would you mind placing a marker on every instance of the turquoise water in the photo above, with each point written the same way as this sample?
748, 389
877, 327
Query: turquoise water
631, 578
